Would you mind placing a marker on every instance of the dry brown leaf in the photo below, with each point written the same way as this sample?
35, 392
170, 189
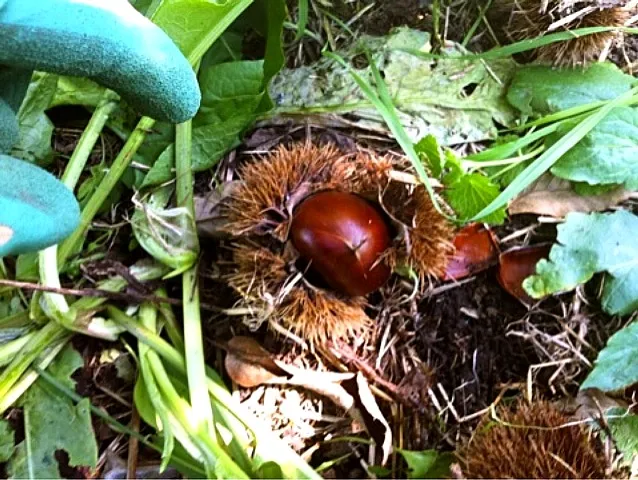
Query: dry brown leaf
555, 197
208, 215
592, 403
248, 364
367, 412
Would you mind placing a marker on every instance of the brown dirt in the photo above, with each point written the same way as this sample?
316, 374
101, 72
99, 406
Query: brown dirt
387, 15
463, 336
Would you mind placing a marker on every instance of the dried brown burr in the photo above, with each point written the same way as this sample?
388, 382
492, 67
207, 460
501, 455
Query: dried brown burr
276, 265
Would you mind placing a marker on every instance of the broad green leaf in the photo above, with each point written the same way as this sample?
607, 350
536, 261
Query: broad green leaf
267, 18
194, 25
617, 364
52, 423
470, 194
427, 463
551, 155
34, 142
590, 244
230, 89
456, 101
209, 144
624, 430
7, 441
77, 91
232, 94
428, 149
540, 90
606, 155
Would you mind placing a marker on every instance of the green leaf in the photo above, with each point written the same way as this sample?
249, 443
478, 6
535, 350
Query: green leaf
163, 170
550, 156
226, 49
430, 97
606, 155
195, 24
230, 89
624, 430
427, 463
428, 149
540, 90
52, 423
34, 142
470, 194
77, 91
232, 94
590, 244
168, 235
7, 441
211, 142
616, 366
267, 17
585, 189
141, 5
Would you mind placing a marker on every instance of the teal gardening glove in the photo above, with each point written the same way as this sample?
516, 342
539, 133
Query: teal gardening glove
107, 41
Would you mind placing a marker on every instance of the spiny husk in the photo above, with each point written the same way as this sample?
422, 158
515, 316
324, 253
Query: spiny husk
259, 212
533, 441
529, 19
271, 186
262, 279
425, 244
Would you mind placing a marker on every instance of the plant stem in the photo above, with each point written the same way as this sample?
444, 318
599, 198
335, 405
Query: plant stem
25, 357
268, 447
193, 337
53, 330
88, 139
9, 350
119, 166
31, 375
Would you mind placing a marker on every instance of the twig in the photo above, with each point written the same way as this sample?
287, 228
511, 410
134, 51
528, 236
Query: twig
99, 293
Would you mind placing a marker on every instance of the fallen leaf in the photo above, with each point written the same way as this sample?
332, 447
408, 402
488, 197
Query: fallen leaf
476, 250
369, 414
208, 215
248, 364
592, 402
555, 197
516, 264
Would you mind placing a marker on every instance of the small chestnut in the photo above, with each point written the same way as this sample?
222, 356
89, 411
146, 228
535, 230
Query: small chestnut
341, 237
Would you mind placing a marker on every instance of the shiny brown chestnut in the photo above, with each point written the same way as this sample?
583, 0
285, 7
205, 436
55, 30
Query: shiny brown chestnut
341, 236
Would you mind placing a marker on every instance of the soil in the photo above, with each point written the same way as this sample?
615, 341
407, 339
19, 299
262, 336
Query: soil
463, 336
387, 15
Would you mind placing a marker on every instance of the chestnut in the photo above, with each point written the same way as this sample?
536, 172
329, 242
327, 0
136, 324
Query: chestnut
341, 236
